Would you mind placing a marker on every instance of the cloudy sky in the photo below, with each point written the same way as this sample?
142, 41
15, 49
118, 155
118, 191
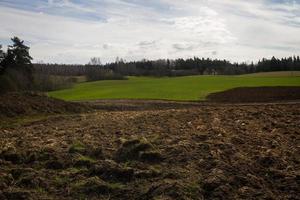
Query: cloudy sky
72, 31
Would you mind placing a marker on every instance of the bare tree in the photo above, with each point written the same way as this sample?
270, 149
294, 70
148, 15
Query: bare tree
95, 61
2, 56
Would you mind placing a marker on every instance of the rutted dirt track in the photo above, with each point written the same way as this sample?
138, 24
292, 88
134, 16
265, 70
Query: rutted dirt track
195, 152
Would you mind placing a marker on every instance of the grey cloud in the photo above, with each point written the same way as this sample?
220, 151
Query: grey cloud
273, 47
106, 46
209, 28
194, 46
147, 44
183, 47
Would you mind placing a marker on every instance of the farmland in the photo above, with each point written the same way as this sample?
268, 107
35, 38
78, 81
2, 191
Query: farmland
155, 150
121, 143
149, 100
191, 88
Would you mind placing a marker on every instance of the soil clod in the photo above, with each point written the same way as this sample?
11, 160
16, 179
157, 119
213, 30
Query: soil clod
111, 171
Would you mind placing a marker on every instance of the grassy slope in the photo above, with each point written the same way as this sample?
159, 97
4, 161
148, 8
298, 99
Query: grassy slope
179, 88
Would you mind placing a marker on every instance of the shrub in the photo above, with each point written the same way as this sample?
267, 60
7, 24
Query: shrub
45, 82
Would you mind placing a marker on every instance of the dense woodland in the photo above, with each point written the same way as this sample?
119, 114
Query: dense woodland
167, 67
18, 73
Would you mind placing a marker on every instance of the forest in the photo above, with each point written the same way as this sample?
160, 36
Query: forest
17, 72
169, 67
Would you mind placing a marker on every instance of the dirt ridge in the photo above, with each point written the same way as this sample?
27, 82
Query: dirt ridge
257, 94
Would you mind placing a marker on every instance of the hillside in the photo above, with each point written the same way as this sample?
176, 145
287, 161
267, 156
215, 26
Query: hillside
179, 88
27, 103
256, 94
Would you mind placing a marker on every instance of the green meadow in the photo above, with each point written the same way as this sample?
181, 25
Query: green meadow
178, 88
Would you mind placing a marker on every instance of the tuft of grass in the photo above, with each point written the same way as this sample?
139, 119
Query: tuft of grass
40, 190
193, 190
77, 147
86, 158
115, 186
61, 181
73, 170
95, 185
83, 161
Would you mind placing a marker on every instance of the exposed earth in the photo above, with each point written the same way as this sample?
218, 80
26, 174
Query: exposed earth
153, 150
257, 94
25, 104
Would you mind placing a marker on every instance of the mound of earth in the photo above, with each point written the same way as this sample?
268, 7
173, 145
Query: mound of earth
20, 104
256, 94
209, 152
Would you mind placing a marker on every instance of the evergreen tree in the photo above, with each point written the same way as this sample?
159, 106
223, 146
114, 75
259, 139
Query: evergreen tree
18, 53
17, 64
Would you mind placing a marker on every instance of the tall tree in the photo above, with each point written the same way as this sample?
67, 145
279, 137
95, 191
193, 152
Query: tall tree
95, 61
18, 62
18, 53
2, 56
1, 53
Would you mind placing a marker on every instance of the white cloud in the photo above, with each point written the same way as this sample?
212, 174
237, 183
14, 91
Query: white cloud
67, 4
236, 30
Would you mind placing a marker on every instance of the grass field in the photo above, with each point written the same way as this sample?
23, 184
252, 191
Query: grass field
178, 88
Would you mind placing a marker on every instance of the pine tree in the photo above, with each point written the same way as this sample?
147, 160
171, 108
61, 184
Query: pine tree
19, 53
18, 61
2, 56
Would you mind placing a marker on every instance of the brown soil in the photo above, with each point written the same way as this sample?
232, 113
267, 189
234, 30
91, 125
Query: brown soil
201, 151
141, 105
21, 104
256, 94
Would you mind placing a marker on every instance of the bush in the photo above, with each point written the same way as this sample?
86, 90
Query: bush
14, 80
95, 73
45, 82
7, 84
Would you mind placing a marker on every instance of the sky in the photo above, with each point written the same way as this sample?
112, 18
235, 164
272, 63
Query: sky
73, 31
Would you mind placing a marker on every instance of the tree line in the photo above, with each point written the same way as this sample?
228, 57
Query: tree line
283, 64
91, 72
18, 73
169, 67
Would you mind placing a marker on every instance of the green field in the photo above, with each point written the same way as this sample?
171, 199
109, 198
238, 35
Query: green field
178, 88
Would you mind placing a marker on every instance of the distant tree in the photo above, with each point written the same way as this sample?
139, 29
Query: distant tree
1, 53
2, 56
118, 59
169, 67
95, 61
